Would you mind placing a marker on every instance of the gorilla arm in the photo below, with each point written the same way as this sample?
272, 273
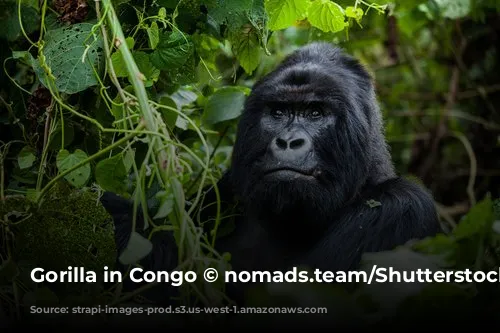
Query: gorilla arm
400, 211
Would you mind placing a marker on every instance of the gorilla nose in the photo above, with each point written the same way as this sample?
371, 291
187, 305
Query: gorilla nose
291, 146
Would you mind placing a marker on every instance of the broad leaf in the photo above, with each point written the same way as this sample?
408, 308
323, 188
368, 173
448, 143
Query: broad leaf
11, 30
111, 174
284, 13
230, 12
72, 53
173, 50
246, 47
117, 60
354, 12
166, 205
326, 16
225, 104
169, 116
66, 160
153, 35
26, 158
150, 72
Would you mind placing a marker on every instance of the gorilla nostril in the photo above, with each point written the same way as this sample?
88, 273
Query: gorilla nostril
282, 144
297, 143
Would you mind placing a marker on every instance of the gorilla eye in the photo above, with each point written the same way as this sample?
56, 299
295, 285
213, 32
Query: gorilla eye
277, 113
316, 114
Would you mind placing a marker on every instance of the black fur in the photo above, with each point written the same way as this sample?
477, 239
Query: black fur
319, 217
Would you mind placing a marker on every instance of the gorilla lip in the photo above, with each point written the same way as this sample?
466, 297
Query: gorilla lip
291, 170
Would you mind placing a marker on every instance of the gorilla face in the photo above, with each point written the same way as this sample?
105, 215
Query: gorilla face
308, 136
290, 131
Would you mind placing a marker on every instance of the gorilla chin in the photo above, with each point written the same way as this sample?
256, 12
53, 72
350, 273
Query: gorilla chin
289, 196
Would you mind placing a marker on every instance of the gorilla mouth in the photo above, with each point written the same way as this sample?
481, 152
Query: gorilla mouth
291, 171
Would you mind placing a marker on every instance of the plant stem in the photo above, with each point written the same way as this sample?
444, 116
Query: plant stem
135, 77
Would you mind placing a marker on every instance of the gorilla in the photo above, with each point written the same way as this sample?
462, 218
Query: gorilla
311, 175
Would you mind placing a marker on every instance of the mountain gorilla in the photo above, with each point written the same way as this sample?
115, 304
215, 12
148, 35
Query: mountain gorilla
311, 174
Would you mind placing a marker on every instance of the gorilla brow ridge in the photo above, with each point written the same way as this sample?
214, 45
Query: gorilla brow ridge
295, 86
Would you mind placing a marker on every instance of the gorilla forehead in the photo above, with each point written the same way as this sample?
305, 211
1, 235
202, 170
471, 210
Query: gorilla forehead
318, 72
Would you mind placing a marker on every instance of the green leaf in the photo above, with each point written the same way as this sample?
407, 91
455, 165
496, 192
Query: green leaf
326, 16
137, 248
172, 51
181, 123
478, 220
162, 12
354, 12
21, 55
128, 159
284, 13
246, 47
454, 9
111, 174
153, 35
169, 116
150, 72
166, 205
71, 62
119, 64
186, 74
230, 12
26, 158
117, 59
66, 161
11, 30
225, 104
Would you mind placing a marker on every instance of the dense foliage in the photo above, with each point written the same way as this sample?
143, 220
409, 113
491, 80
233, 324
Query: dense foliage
141, 98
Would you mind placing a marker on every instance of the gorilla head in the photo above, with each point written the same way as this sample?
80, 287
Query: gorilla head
310, 138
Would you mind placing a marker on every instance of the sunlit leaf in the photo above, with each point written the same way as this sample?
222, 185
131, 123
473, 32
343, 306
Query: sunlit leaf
284, 13
326, 16
246, 47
